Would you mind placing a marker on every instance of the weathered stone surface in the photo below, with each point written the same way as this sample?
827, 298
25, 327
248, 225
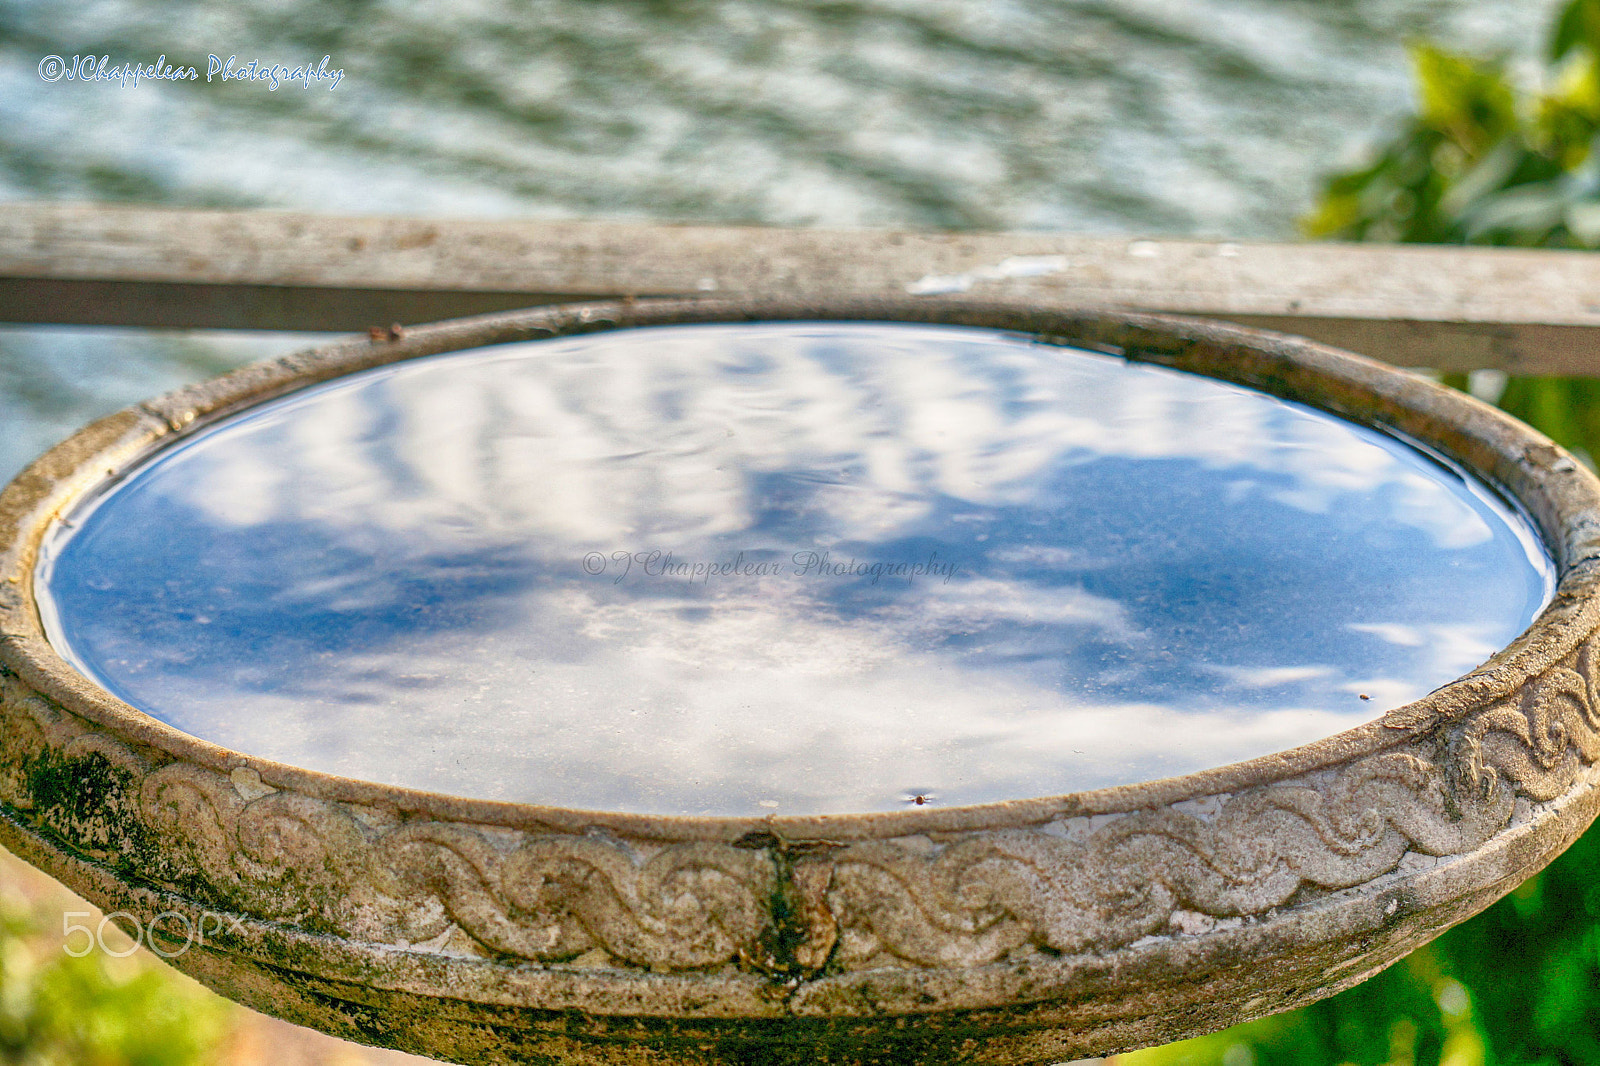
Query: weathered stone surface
1030, 931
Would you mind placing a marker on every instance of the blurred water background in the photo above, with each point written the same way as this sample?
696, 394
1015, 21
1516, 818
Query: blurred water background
1152, 117
1155, 116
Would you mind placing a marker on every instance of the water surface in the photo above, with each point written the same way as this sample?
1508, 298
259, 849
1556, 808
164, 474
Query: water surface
791, 568
1212, 117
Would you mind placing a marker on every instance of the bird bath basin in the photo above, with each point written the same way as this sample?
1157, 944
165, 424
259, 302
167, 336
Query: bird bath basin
854, 681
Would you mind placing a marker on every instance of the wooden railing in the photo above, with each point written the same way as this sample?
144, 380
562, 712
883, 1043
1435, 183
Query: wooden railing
1522, 311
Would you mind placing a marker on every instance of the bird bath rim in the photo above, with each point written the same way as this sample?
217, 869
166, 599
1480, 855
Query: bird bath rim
1474, 786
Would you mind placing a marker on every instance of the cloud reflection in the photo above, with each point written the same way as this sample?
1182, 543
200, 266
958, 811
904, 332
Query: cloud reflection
1149, 573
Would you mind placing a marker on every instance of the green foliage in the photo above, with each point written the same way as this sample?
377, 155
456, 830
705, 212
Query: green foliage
1567, 410
1532, 962
96, 1010
1412, 1014
1482, 161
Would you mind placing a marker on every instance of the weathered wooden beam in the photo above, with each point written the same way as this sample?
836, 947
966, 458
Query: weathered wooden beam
186, 305
1518, 310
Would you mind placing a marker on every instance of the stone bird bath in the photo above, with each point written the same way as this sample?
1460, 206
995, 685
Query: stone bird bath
443, 904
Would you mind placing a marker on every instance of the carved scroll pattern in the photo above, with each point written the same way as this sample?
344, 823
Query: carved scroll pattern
962, 900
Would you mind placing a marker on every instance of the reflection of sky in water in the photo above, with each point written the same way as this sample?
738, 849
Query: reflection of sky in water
1130, 573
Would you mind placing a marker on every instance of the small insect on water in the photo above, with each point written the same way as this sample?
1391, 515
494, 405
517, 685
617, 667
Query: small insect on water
920, 799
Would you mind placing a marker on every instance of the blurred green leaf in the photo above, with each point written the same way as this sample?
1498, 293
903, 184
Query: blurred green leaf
1523, 215
1469, 101
1577, 27
96, 1010
1480, 161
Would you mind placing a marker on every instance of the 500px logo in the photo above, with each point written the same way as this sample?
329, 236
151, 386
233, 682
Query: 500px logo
159, 936
89, 68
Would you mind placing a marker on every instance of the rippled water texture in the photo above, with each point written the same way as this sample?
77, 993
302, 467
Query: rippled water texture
789, 568
1148, 116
